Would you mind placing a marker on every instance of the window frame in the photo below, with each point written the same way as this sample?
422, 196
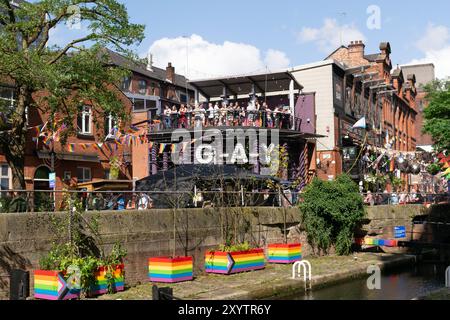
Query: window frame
84, 169
83, 115
7, 177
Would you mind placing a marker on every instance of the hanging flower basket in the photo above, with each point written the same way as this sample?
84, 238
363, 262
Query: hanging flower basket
219, 262
170, 270
284, 253
101, 281
52, 285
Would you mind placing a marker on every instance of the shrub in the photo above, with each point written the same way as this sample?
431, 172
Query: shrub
331, 212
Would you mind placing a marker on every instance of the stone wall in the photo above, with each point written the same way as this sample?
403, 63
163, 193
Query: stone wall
25, 238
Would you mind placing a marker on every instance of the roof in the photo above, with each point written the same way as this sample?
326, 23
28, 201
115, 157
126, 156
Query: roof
242, 85
141, 68
373, 57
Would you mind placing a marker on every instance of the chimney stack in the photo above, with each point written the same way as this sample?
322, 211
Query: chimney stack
150, 62
356, 49
170, 73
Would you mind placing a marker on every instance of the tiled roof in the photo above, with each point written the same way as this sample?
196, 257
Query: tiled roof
141, 68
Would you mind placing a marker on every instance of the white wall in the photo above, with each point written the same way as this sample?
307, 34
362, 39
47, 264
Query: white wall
318, 78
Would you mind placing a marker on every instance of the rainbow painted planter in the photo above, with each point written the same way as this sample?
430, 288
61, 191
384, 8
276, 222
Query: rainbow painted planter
234, 262
284, 253
51, 285
170, 270
101, 282
377, 242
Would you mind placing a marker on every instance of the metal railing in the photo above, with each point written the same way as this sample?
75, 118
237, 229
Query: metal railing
403, 198
51, 201
258, 119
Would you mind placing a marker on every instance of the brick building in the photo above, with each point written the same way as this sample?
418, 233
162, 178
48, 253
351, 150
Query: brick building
150, 89
75, 162
398, 103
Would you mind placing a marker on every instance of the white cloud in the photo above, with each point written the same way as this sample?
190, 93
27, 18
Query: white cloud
435, 38
330, 35
206, 59
435, 46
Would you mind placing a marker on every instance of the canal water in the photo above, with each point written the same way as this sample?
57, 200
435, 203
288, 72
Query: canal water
396, 284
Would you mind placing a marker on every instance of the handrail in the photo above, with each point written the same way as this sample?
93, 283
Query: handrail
305, 266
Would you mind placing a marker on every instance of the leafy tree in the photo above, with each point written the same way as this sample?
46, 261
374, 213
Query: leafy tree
65, 76
331, 211
437, 114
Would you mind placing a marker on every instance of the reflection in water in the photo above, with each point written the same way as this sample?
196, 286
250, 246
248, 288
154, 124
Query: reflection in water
404, 284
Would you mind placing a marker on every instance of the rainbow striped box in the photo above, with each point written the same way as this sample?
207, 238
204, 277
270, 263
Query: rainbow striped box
170, 270
370, 242
101, 282
391, 243
51, 285
284, 253
234, 262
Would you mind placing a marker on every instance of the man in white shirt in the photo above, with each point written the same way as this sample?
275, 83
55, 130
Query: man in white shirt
145, 202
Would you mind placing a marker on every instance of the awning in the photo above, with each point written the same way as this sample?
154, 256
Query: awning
106, 185
69, 157
243, 85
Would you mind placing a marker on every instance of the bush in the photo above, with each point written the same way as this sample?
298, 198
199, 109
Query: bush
331, 212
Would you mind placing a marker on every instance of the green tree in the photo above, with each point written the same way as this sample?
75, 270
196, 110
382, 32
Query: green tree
70, 74
437, 114
331, 212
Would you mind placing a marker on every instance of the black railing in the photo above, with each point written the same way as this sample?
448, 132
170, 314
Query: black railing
259, 119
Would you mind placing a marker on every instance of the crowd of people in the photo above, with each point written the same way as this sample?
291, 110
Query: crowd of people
227, 114
402, 198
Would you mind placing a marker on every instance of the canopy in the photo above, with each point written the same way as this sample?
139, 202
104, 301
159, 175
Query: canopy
243, 85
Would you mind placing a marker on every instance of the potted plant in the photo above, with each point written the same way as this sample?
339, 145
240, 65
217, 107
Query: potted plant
109, 276
114, 170
234, 259
170, 270
53, 285
284, 253
76, 263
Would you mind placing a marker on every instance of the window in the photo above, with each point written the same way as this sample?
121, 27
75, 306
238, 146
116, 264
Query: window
85, 121
142, 86
110, 123
153, 89
183, 98
139, 104
126, 83
7, 97
4, 178
84, 175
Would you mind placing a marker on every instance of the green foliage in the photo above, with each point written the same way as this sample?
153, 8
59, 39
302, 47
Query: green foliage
115, 168
71, 74
79, 244
434, 169
331, 212
396, 183
437, 114
235, 248
375, 182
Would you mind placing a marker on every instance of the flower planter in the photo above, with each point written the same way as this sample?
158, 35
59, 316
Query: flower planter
284, 253
51, 285
234, 262
101, 282
380, 242
170, 270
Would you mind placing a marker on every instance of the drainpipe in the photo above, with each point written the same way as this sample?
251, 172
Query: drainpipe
292, 102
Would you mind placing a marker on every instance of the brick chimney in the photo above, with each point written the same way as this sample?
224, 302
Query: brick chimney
170, 73
356, 50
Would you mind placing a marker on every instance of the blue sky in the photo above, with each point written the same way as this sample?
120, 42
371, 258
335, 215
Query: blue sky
237, 36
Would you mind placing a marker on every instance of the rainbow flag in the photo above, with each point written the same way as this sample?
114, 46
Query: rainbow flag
97, 147
101, 282
234, 262
284, 253
71, 147
162, 146
168, 270
51, 285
